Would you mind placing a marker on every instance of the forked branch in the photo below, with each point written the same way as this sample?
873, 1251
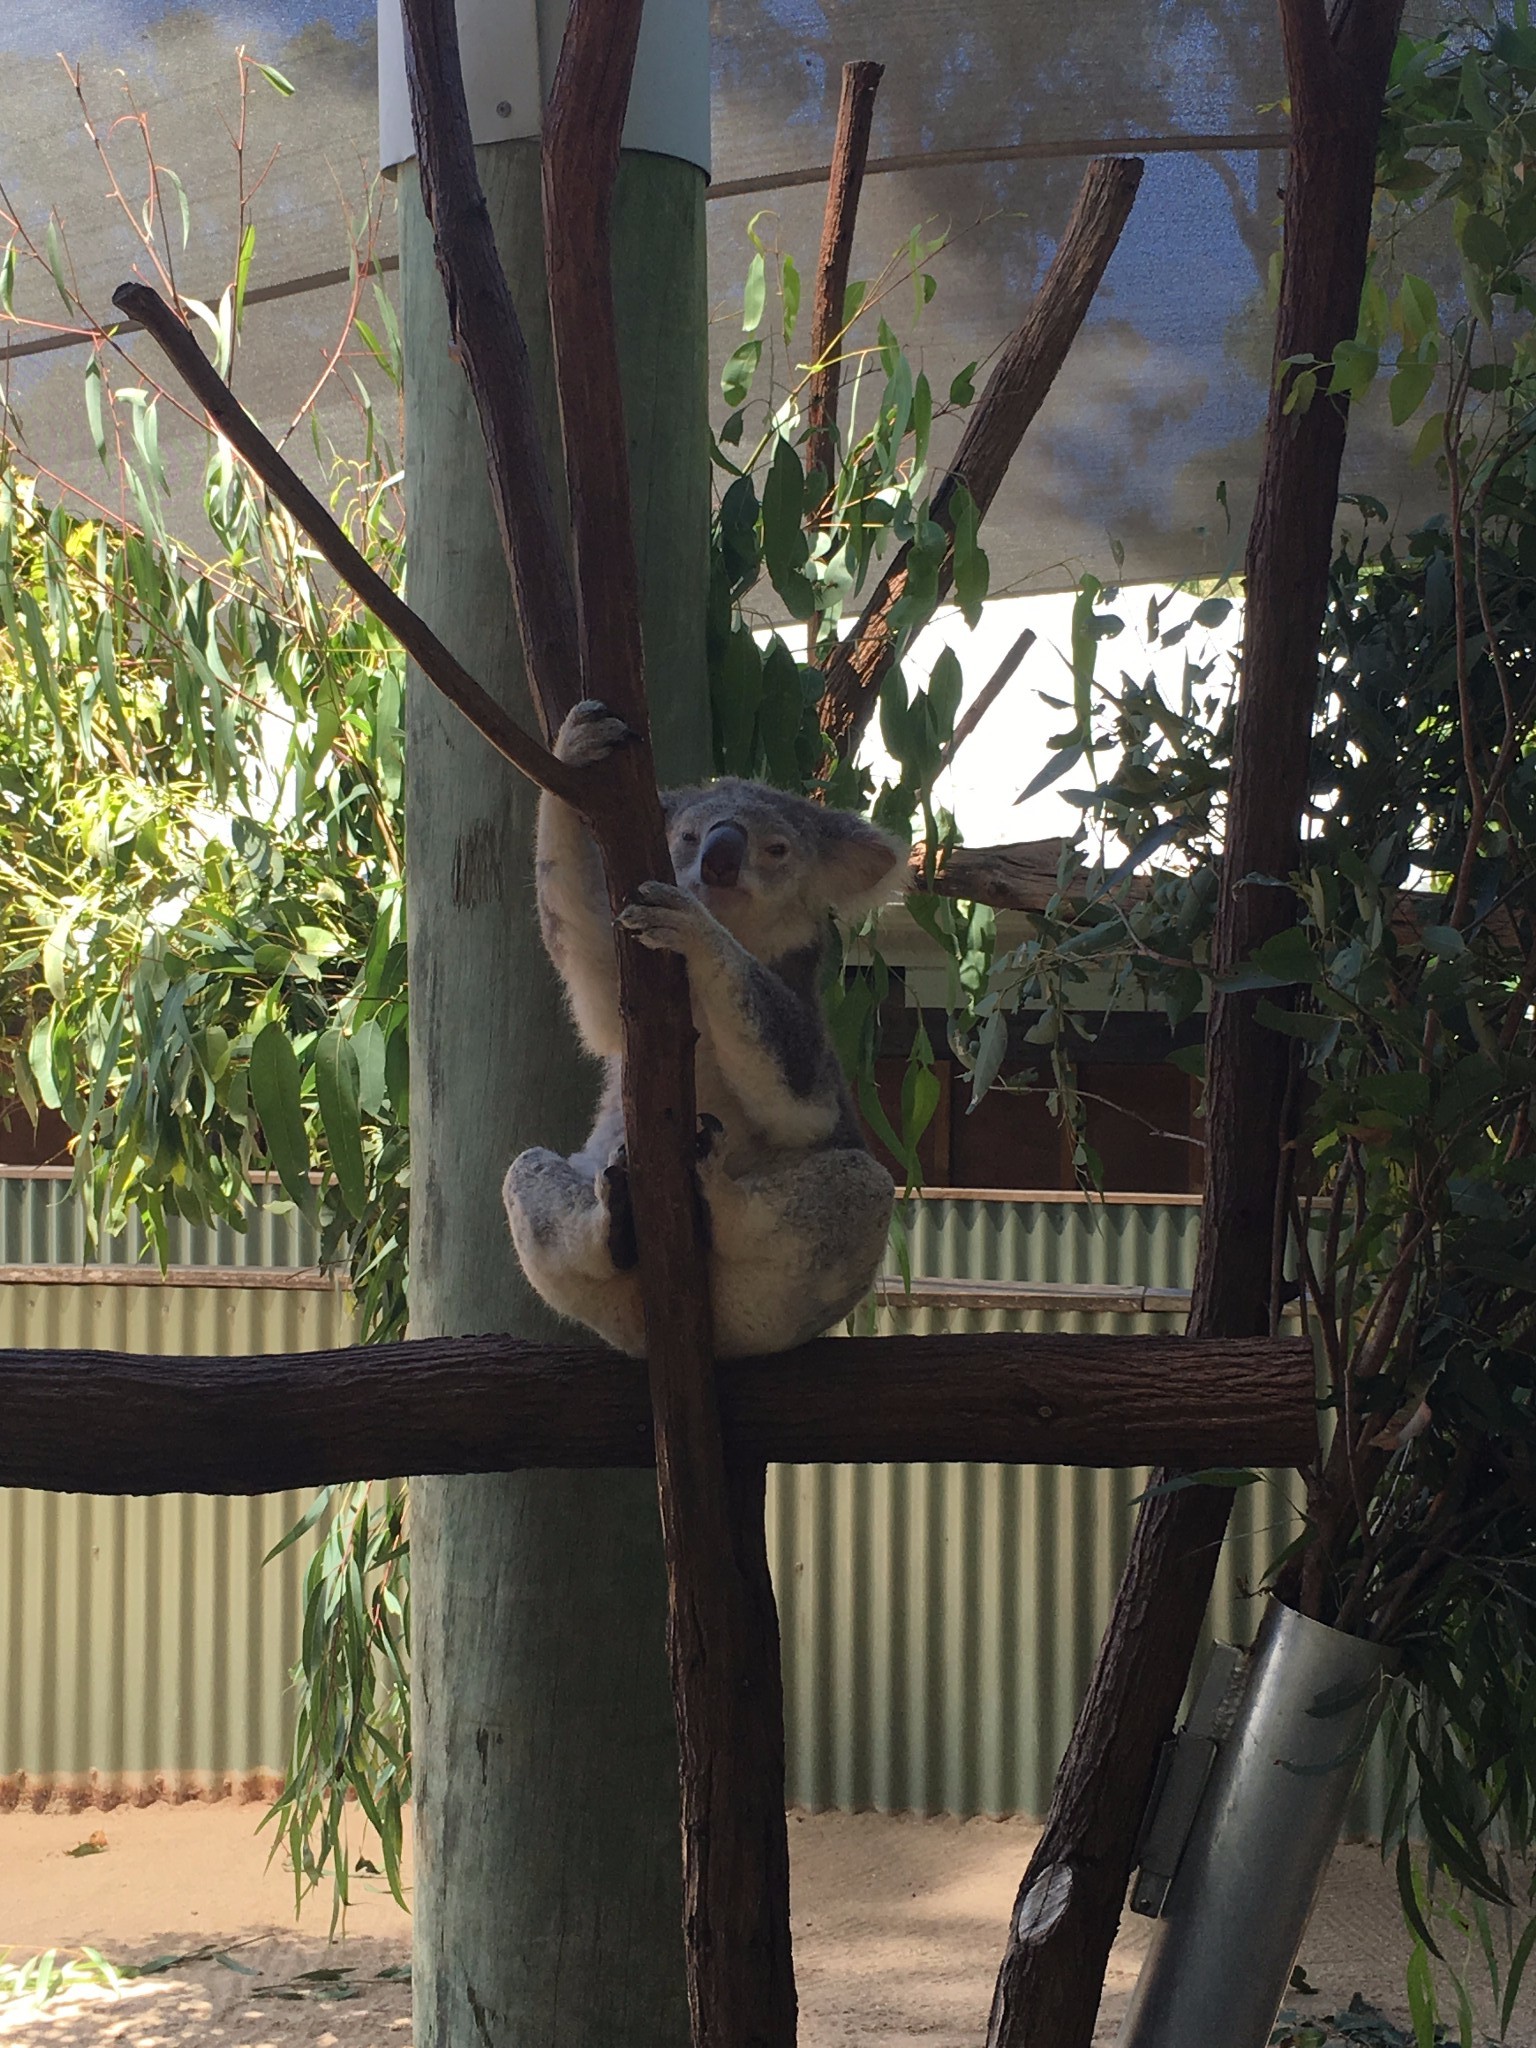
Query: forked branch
1013, 395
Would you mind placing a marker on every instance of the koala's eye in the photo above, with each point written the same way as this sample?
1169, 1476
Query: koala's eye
689, 838
777, 849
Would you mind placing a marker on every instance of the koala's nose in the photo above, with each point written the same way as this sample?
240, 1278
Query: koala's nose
725, 849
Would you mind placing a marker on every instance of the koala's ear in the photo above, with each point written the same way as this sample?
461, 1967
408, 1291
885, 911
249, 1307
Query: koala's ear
856, 860
675, 801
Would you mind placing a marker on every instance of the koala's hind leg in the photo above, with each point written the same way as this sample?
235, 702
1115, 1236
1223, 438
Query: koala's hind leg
567, 1225
797, 1242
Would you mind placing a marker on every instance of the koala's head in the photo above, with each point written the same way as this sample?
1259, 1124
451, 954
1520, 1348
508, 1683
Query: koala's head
771, 866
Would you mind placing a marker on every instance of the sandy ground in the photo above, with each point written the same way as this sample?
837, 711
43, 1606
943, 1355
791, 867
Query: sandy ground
898, 1924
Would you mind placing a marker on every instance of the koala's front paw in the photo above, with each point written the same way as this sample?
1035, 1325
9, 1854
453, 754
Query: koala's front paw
665, 918
588, 733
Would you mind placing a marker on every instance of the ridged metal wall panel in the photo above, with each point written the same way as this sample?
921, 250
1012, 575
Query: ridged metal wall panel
144, 1650
41, 1224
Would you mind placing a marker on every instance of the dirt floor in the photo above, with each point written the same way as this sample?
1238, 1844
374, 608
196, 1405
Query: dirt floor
898, 1924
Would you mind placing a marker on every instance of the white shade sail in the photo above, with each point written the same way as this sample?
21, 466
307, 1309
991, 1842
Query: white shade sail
985, 119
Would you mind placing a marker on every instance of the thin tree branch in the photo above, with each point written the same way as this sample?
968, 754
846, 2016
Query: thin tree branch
144, 304
845, 181
991, 690
1014, 394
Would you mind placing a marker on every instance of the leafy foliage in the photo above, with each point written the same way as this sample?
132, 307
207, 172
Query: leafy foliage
1359, 2025
201, 904
814, 540
352, 1732
201, 896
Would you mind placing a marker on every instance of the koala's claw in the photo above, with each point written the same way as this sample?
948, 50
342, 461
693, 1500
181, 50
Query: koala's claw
665, 918
710, 1129
588, 733
667, 896
613, 1193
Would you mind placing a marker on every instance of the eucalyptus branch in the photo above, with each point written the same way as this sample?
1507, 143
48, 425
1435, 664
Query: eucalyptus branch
1477, 806
143, 303
1312, 1287
142, 223
1285, 1181
1353, 1172
1338, 1195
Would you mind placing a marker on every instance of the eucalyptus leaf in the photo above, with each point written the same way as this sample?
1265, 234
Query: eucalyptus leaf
337, 1088
276, 1085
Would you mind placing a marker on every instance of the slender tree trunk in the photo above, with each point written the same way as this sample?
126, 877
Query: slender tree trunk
1069, 1902
548, 1904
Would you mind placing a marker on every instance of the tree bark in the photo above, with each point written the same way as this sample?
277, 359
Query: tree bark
722, 1627
116, 1422
483, 321
1014, 393
989, 693
845, 180
1069, 1902
1020, 876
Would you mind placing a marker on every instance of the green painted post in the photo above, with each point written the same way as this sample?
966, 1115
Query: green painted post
547, 1899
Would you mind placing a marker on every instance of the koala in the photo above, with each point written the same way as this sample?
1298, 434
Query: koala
797, 1209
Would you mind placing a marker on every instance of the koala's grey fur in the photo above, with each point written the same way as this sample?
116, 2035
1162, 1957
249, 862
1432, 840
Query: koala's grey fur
798, 1209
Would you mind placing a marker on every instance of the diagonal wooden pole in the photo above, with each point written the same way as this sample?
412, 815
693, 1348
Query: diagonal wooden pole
1069, 1901
166, 327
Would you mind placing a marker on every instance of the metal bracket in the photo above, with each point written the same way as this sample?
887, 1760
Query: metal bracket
1182, 1771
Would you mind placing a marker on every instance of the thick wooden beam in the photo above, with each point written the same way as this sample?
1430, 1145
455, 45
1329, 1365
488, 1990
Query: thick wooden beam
117, 1422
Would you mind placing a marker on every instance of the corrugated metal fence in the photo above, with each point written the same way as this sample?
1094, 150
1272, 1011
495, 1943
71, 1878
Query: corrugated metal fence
939, 1621
143, 1650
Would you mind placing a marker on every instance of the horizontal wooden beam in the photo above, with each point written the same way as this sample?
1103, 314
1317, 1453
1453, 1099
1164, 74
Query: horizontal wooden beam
118, 1422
